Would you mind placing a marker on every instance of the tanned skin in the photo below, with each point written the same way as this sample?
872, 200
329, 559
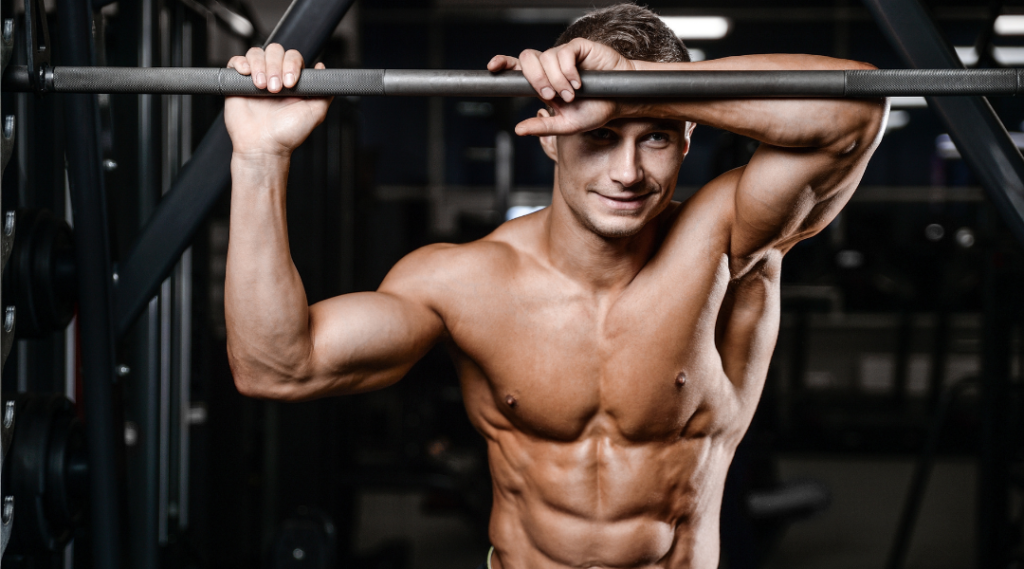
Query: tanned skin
612, 347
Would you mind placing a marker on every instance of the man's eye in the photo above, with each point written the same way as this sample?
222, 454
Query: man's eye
659, 137
602, 134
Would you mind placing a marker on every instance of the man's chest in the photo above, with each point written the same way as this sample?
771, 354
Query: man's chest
553, 361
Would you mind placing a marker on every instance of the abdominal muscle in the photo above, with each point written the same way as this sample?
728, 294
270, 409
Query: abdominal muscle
604, 502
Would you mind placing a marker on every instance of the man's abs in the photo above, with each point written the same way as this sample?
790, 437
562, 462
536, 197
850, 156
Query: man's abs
605, 502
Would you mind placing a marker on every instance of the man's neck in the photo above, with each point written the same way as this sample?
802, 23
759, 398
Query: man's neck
601, 263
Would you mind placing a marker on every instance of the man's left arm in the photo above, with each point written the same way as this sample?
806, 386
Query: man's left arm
812, 155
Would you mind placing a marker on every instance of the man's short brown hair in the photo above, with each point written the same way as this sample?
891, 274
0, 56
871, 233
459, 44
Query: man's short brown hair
634, 31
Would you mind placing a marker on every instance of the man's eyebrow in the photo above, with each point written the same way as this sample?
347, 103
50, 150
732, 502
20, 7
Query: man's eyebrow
662, 124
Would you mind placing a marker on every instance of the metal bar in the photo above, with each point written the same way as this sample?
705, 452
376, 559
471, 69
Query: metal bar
92, 259
480, 83
306, 26
995, 526
973, 124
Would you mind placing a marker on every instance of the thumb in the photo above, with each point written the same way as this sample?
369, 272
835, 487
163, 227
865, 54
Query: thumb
543, 126
318, 105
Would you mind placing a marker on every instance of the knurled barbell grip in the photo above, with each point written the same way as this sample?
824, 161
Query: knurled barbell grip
934, 82
458, 83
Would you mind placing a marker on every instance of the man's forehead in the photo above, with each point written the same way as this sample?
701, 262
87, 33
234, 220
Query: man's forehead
646, 123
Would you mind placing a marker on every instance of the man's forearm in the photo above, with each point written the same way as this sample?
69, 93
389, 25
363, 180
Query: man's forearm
265, 304
794, 123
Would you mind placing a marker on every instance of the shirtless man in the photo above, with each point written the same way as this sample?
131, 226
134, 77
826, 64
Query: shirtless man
612, 347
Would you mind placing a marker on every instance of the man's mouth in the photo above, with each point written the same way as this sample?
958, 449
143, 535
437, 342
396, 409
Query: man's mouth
626, 202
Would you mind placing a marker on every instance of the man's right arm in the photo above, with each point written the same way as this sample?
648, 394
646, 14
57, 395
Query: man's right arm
279, 347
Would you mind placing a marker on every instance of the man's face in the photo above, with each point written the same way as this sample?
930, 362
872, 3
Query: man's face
618, 177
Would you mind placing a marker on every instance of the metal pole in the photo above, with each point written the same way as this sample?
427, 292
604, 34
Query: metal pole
919, 480
481, 83
92, 259
994, 523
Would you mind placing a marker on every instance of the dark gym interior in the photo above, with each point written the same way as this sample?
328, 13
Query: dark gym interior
891, 429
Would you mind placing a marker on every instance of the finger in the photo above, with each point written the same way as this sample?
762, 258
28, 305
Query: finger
567, 61
538, 126
502, 62
553, 69
258, 67
240, 64
292, 67
275, 59
533, 70
320, 65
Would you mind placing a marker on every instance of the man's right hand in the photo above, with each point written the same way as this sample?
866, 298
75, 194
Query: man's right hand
554, 74
271, 125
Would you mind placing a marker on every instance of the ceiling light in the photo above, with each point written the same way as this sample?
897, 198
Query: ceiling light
946, 149
1008, 55
897, 120
698, 27
968, 55
521, 210
1007, 25
907, 102
1003, 55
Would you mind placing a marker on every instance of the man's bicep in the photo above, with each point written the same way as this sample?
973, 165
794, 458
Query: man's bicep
368, 340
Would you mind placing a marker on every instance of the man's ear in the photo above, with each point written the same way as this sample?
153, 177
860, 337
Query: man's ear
687, 133
548, 143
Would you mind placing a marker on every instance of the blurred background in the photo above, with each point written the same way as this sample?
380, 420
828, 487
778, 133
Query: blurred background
889, 433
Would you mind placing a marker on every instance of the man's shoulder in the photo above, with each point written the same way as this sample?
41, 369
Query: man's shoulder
445, 268
707, 211
461, 258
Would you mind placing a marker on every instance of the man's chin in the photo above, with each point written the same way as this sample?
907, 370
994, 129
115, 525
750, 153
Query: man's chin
615, 226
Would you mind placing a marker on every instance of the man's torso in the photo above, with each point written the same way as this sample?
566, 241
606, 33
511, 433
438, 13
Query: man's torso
611, 417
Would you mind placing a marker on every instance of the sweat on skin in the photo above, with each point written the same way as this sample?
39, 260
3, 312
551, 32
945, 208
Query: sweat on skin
612, 347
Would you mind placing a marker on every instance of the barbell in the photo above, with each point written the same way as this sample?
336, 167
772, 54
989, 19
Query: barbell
463, 83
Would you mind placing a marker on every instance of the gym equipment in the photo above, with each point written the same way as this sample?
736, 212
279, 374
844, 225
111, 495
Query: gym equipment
43, 274
458, 83
46, 472
6, 244
306, 539
995, 160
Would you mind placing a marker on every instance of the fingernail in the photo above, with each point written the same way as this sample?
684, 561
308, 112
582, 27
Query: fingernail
575, 84
275, 83
566, 95
261, 79
547, 92
289, 79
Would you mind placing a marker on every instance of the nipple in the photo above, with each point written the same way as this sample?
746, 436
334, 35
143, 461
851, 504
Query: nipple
510, 400
681, 379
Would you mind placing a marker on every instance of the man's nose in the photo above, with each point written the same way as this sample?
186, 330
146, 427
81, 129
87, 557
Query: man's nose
626, 169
